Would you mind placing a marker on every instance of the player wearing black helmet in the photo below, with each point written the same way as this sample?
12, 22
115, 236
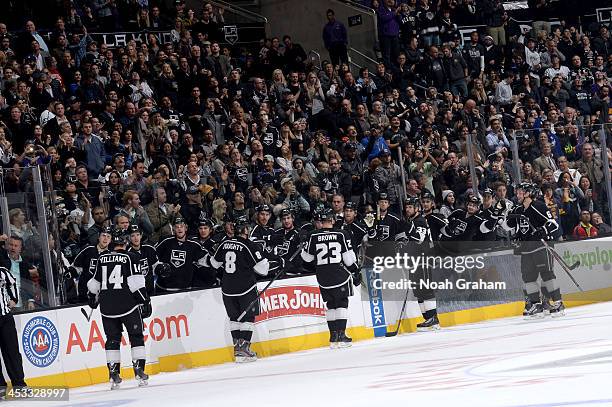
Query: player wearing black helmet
238, 257
464, 224
118, 285
529, 222
330, 253
315, 223
84, 264
148, 257
181, 257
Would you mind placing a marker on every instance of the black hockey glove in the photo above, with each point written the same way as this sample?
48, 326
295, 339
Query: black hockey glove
92, 300
541, 233
357, 279
70, 273
146, 310
276, 266
163, 270
499, 208
456, 226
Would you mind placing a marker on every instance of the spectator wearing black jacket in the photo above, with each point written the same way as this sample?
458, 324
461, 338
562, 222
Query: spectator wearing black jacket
457, 70
341, 179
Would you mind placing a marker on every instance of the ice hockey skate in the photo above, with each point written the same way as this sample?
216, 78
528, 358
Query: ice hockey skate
533, 311
557, 309
141, 377
343, 341
432, 324
113, 373
243, 352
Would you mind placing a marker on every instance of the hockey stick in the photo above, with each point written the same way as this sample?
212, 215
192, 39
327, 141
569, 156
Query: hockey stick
281, 273
399, 320
87, 315
567, 268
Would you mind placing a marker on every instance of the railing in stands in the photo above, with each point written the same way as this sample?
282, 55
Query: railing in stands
239, 11
315, 58
365, 60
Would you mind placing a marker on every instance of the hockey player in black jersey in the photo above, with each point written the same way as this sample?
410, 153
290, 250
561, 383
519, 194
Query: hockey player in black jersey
329, 252
435, 221
417, 231
118, 286
262, 233
529, 222
238, 257
308, 227
489, 211
464, 224
388, 226
205, 275
148, 257
356, 228
84, 264
206, 231
286, 240
182, 256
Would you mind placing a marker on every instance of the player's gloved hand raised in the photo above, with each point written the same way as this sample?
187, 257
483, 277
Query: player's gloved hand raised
369, 220
92, 300
456, 226
146, 310
70, 273
357, 279
499, 208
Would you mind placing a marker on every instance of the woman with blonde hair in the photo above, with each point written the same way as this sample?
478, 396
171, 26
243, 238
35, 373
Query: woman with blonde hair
175, 33
478, 93
269, 194
238, 115
314, 95
279, 84
219, 209
157, 128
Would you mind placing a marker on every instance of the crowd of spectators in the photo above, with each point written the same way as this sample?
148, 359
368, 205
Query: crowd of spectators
153, 130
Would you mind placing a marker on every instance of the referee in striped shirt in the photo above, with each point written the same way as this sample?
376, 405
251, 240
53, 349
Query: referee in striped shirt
8, 333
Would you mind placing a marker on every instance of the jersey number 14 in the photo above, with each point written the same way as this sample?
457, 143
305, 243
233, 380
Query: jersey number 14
115, 278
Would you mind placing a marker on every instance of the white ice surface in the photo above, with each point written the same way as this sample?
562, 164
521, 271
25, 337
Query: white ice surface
507, 362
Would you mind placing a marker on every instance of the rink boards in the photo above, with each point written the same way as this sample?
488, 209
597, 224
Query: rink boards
61, 348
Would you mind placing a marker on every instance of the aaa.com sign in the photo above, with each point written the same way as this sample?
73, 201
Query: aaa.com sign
278, 302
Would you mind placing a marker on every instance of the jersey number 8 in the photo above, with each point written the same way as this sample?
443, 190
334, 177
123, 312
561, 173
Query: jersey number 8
328, 253
230, 262
115, 277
